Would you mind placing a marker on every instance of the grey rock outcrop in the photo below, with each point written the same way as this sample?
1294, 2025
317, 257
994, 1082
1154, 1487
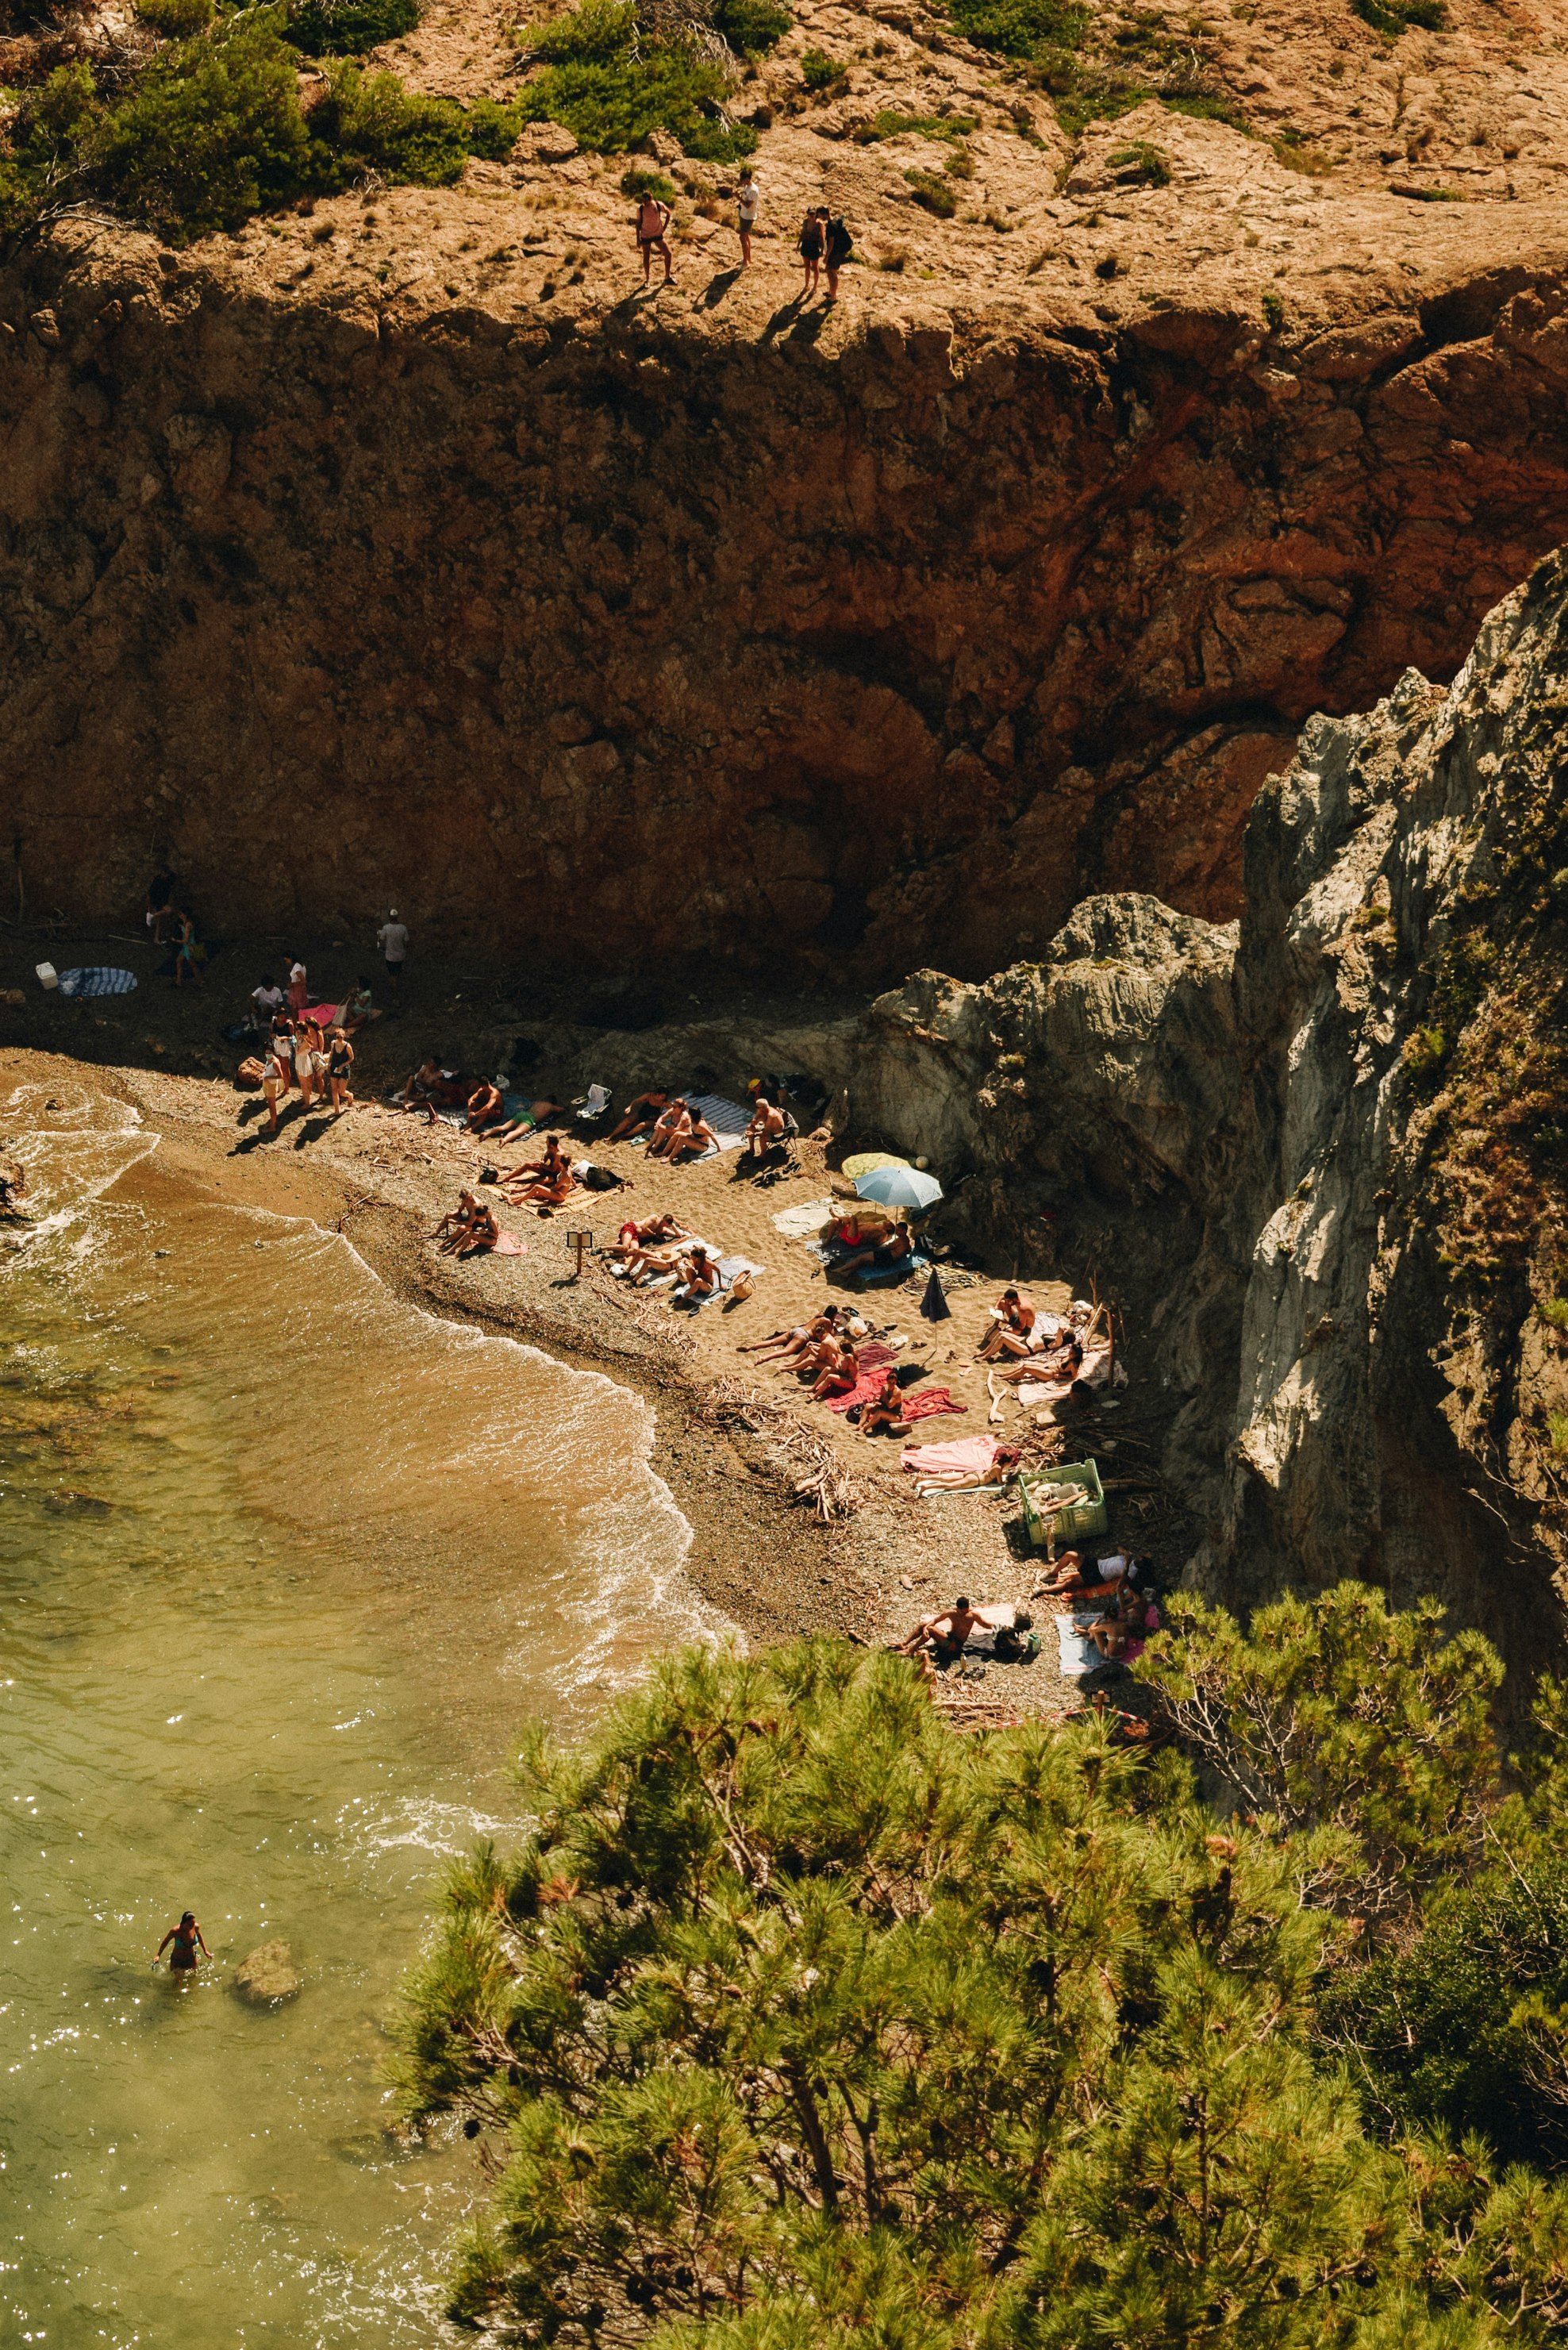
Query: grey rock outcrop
1319, 1156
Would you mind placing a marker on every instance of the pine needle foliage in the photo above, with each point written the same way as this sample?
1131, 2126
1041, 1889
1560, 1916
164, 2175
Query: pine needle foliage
799, 2020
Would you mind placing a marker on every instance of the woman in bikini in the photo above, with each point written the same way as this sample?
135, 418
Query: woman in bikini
884, 1415
633, 1248
188, 1947
793, 1343
671, 1132
697, 1274
640, 1114
837, 1378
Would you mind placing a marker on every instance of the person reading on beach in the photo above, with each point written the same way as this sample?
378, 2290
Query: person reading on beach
837, 1378
487, 1107
883, 1414
185, 1946
1012, 1321
894, 1248
941, 1636
417, 1086
640, 1115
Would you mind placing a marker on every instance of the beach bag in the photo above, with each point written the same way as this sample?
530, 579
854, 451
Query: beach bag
742, 1285
249, 1075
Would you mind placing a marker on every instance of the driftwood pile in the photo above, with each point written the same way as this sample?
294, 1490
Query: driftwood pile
815, 1472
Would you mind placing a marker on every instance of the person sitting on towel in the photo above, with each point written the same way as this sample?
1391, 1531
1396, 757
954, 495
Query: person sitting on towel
1013, 1323
552, 1166
487, 1107
941, 1636
418, 1088
883, 1414
640, 1115
1123, 1633
357, 1007
697, 1276
671, 1132
455, 1226
837, 1374
894, 1249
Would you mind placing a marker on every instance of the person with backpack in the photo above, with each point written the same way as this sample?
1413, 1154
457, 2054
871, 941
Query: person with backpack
810, 249
837, 246
652, 234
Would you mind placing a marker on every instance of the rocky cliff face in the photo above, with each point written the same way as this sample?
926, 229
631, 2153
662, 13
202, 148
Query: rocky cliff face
1322, 1154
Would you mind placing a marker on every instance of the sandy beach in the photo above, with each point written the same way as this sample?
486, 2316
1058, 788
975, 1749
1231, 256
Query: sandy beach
733, 1440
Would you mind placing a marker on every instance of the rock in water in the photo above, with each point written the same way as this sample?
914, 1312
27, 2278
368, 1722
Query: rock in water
268, 1976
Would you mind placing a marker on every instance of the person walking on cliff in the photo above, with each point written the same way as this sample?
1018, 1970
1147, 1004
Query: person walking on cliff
393, 941
652, 235
837, 246
748, 197
811, 252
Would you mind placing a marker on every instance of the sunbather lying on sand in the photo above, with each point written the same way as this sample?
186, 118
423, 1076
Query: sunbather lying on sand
791, 1346
633, 1248
1072, 1575
640, 1115
942, 1635
527, 1120
892, 1249
970, 1481
884, 1415
547, 1190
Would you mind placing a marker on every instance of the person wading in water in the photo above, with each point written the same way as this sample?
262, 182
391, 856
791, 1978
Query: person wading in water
186, 1937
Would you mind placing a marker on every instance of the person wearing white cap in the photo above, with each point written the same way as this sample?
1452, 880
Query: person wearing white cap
393, 940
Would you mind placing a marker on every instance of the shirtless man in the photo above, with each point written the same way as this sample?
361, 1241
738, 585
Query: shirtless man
417, 1088
487, 1107
552, 1167
1010, 1331
941, 1636
631, 1249
898, 1245
764, 1132
640, 1114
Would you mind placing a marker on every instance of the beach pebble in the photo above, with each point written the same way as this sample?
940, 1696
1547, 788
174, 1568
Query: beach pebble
268, 1976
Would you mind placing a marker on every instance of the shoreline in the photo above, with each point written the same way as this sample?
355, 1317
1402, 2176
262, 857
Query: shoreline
758, 1555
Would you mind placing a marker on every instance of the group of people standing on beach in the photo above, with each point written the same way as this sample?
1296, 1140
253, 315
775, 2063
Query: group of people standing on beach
823, 243
310, 1046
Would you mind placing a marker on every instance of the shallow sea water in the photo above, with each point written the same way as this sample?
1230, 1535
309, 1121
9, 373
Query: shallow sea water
283, 1565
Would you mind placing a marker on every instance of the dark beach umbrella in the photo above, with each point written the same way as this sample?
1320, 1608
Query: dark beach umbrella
934, 1303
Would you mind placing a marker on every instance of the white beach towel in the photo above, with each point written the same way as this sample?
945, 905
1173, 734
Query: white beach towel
1078, 1655
803, 1222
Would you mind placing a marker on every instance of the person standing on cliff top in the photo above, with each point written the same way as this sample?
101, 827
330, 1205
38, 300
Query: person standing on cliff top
393, 941
652, 234
748, 197
837, 246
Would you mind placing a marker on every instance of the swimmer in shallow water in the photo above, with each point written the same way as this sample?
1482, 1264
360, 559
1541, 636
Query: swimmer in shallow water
186, 1938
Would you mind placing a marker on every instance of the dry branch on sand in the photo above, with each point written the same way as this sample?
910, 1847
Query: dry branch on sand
817, 1474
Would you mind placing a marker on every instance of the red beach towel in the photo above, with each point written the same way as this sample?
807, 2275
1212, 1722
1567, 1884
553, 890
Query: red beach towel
928, 1403
873, 1360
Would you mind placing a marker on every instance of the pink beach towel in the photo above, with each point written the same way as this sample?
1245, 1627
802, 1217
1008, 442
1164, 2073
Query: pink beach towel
324, 1015
929, 1404
975, 1454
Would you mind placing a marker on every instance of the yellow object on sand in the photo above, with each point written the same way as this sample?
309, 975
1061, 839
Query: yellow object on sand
865, 1161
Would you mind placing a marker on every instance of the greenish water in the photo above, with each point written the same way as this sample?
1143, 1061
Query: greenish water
283, 1563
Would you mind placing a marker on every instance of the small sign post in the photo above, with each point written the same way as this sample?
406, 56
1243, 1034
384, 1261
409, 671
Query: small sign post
580, 1242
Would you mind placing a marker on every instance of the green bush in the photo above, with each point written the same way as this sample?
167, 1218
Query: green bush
819, 71
640, 182
932, 194
1203, 108
209, 133
346, 28
176, 19
751, 27
52, 123
368, 121
1397, 16
1019, 28
1148, 163
892, 122
799, 2023
610, 95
